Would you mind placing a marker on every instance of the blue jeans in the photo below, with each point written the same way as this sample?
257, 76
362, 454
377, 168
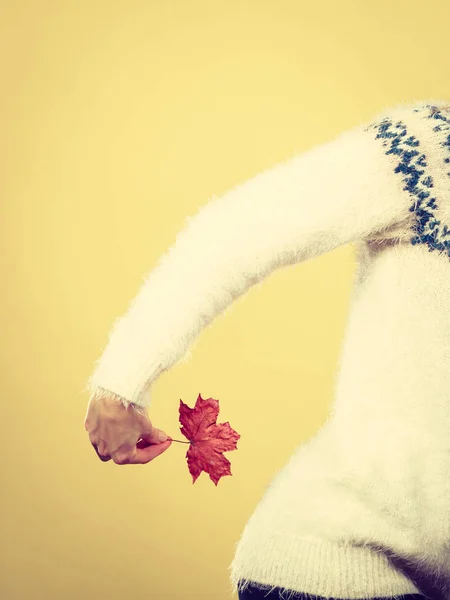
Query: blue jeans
252, 593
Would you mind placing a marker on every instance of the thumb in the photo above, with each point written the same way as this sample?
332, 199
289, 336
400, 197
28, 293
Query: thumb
154, 436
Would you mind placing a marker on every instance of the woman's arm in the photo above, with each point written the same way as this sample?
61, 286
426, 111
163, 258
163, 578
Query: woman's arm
335, 193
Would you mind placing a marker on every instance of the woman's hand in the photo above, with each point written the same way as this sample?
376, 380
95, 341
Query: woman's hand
122, 434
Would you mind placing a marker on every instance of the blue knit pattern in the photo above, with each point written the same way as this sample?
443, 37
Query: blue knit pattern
427, 228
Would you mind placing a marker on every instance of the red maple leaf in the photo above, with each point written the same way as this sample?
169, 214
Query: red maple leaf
208, 439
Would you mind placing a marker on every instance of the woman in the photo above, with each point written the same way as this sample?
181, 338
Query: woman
362, 510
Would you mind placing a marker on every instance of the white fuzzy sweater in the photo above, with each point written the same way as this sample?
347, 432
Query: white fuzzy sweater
363, 508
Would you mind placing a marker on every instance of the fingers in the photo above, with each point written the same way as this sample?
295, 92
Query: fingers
146, 453
102, 457
143, 453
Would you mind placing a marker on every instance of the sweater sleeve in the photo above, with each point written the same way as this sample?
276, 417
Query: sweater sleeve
338, 192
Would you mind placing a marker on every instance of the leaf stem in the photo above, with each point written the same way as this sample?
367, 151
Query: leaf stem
180, 441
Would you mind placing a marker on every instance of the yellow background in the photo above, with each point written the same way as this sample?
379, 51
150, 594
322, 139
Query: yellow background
118, 119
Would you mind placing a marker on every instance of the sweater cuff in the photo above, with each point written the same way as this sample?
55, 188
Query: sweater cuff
135, 389
97, 393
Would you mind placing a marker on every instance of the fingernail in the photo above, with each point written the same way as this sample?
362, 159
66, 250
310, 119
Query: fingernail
162, 437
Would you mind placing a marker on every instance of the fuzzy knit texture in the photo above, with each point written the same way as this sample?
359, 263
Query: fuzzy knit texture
362, 509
